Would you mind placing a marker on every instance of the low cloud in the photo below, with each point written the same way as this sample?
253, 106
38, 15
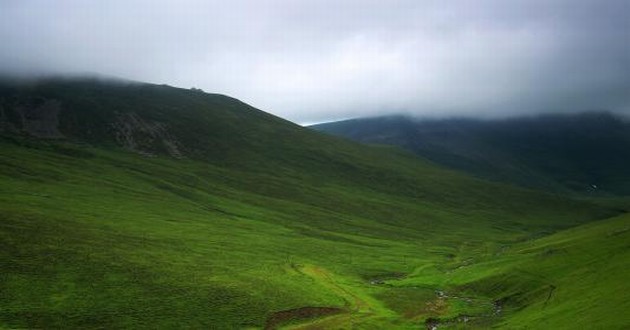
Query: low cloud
312, 61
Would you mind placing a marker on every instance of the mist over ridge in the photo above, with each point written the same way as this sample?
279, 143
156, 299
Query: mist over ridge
318, 61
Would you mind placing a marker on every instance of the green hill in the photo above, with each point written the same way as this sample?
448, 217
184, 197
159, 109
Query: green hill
128, 205
586, 153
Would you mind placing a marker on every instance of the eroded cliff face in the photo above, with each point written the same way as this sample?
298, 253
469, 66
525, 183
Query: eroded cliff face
39, 118
144, 136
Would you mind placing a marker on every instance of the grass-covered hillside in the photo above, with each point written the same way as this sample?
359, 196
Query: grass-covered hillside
145, 206
586, 153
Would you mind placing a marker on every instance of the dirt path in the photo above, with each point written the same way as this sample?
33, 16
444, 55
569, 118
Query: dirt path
353, 301
358, 308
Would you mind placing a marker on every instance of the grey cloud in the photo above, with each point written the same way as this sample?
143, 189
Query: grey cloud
318, 60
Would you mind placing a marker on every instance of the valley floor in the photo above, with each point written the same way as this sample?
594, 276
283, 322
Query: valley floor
107, 239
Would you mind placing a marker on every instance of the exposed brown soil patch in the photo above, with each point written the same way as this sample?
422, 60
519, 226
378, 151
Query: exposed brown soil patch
437, 306
303, 313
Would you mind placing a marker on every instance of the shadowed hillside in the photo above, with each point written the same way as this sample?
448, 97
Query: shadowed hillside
587, 153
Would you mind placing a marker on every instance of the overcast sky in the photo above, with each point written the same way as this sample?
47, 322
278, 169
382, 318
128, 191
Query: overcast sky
311, 61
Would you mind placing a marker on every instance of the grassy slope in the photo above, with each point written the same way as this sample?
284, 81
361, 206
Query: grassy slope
95, 236
117, 240
574, 278
571, 279
588, 267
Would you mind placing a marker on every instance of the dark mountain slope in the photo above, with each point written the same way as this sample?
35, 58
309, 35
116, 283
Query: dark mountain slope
149, 119
585, 153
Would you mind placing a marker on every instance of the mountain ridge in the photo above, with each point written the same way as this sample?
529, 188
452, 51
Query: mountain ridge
590, 148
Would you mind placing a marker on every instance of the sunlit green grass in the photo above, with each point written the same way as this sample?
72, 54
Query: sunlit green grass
94, 238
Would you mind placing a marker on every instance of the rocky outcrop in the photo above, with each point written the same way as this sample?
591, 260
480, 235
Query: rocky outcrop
144, 136
39, 119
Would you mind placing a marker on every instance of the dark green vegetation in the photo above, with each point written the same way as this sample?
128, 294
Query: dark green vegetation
144, 206
585, 153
